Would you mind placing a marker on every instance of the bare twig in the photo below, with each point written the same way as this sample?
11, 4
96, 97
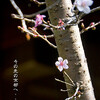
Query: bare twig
64, 82
48, 36
95, 9
89, 27
51, 25
19, 12
37, 35
44, 38
75, 94
69, 78
26, 19
26, 31
64, 90
42, 11
39, 3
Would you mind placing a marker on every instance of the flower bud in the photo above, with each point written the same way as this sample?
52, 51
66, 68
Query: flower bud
28, 37
92, 23
82, 25
94, 28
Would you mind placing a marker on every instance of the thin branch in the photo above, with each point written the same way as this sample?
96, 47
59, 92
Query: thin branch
37, 35
26, 31
64, 82
92, 11
39, 3
26, 19
42, 11
69, 78
89, 27
33, 21
48, 25
19, 12
49, 36
95, 9
75, 94
44, 38
64, 90
51, 25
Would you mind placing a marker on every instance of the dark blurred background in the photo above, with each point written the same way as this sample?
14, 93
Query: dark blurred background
36, 69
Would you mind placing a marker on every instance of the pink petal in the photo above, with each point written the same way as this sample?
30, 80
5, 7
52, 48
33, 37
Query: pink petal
38, 16
86, 10
78, 2
80, 8
60, 68
43, 16
65, 61
60, 59
89, 2
38, 22
57, 63
65, 66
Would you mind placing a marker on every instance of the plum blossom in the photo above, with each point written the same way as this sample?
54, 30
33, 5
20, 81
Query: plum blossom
61, 64
39, 19
61, 24
83, 5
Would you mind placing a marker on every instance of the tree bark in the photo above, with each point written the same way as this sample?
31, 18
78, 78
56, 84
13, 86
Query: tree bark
70, 47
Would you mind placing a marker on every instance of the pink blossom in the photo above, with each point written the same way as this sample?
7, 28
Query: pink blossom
61, 24
92, 23
39, 19
83, 5
61, 64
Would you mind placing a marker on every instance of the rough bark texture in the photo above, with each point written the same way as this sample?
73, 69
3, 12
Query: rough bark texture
69, 46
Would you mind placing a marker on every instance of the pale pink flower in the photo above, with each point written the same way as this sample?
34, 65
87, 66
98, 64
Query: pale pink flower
61, 64
39, 19
83, 5
61, 24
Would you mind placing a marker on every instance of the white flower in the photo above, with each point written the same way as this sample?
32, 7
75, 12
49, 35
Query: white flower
61, 64
83, 5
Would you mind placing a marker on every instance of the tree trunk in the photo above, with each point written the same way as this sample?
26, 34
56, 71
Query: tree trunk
70, 47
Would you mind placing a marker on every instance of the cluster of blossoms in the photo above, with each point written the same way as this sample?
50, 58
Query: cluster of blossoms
83, 5
39, 19
61, 64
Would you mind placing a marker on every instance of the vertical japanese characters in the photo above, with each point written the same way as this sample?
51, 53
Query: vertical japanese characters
15, 78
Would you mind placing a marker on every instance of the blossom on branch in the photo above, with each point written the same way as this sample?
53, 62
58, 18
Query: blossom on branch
83, 5
61, 64
39, 19
93, 24
61, 24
